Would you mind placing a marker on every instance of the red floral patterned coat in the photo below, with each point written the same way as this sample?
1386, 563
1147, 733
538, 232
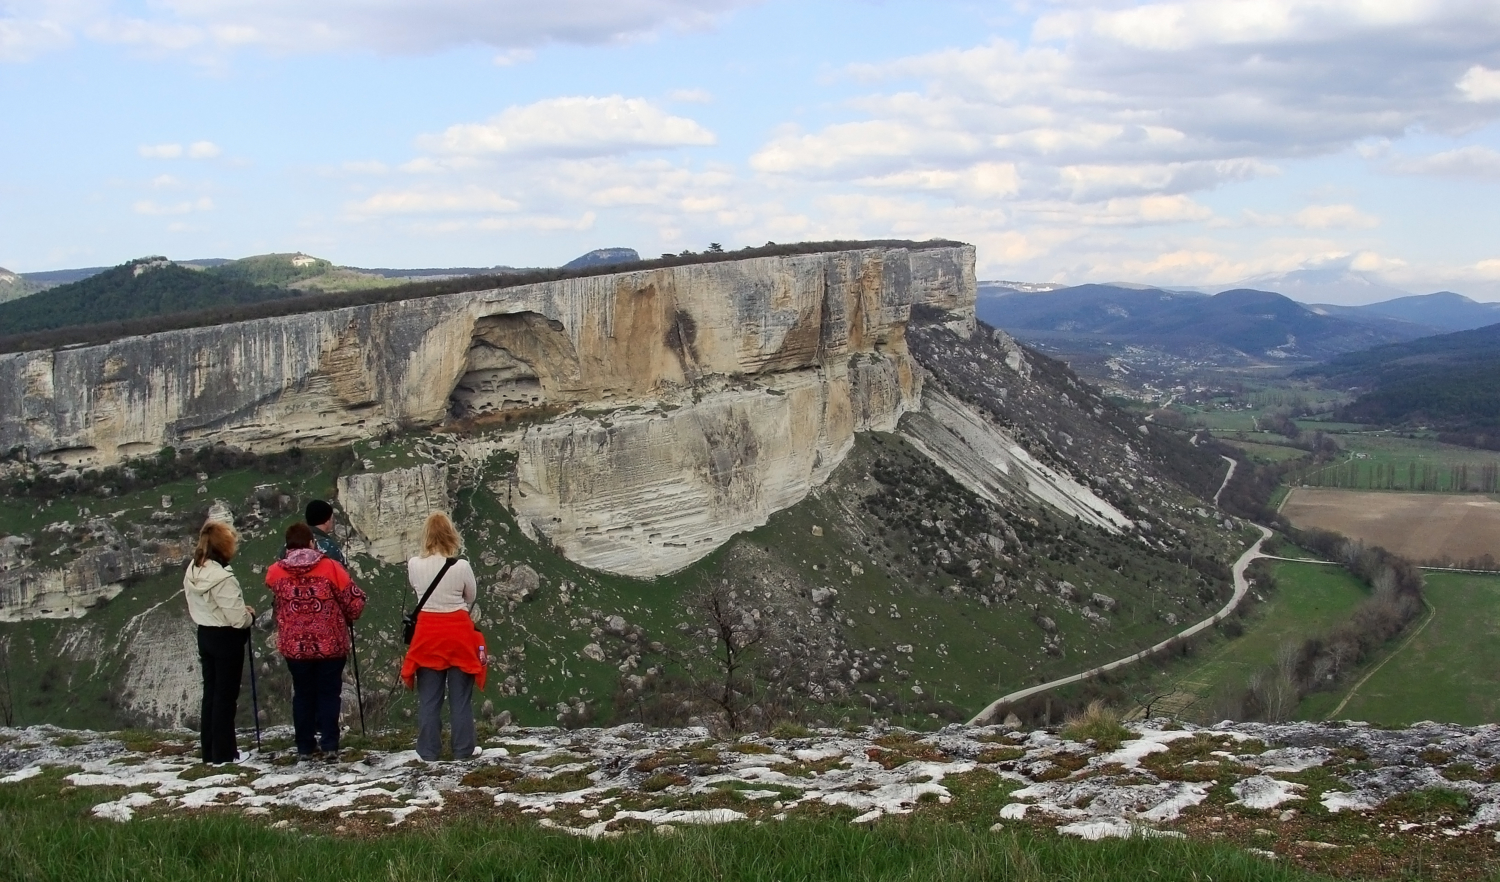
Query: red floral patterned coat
315, 601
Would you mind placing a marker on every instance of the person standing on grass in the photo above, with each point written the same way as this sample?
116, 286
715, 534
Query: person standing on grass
315, 603
447, 652
319, 517
217, 605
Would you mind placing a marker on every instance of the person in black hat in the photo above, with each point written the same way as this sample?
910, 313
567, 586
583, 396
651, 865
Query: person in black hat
320, 518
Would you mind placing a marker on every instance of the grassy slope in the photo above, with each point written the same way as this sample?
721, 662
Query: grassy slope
50, 835
1446, 672
966, 652
1307, 599
50, 681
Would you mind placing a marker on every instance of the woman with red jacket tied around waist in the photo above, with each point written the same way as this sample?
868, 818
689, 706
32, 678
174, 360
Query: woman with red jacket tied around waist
447, 651
315, 600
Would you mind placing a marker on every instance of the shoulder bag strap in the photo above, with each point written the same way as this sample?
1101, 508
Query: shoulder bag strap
430, 588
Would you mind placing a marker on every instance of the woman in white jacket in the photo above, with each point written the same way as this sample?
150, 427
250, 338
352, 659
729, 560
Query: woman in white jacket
217, 605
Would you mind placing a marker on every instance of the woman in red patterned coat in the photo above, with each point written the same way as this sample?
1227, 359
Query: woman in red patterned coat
315, 600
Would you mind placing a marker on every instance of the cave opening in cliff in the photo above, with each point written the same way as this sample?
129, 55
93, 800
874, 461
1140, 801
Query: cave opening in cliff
515, 365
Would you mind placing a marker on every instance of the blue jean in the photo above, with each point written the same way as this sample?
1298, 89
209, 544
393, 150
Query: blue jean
317, 694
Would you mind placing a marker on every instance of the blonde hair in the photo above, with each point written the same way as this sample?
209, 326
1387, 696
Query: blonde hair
216, 541
440, 537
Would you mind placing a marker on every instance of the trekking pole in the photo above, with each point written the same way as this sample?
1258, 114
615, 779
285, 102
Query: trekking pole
254, 699
359, 694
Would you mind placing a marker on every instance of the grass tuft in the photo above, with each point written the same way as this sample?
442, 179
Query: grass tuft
1098, 723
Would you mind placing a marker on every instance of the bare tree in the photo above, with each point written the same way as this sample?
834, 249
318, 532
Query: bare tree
738, 633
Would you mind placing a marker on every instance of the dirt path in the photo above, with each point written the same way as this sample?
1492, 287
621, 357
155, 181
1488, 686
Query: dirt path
1233, 464
1241, 586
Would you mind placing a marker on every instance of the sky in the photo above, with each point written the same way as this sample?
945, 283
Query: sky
1193, 143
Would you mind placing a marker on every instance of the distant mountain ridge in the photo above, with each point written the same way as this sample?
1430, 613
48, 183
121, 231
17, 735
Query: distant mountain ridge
1261, 325
1444, 310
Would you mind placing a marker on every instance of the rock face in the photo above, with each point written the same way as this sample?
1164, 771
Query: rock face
649, 493
29, 590
338, 376
727, 392
388, 509
990, 463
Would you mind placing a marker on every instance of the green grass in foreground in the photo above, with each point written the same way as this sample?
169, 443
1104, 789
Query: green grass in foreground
49, 835
1447, 671
1308, 599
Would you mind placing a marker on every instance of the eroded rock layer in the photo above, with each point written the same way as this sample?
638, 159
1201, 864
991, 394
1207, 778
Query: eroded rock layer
338, 376
646, 493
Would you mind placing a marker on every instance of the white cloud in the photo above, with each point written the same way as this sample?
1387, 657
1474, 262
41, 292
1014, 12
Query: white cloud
1479, 83
465, 200
985, 179
573, 126
24, 39
152, 208
1332, 217
32, 27
512, 57
195, 150
1465, 162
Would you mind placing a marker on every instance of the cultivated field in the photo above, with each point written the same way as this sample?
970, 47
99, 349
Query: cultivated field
1448, 670
1418, 526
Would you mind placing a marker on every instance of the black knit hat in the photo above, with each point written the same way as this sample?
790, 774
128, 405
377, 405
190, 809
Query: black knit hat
318, 513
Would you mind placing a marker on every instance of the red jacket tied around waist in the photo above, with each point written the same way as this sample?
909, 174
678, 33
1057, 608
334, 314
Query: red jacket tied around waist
444, 640
315, 602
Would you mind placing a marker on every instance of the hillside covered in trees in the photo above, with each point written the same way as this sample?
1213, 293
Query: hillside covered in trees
1449, 382
150, 286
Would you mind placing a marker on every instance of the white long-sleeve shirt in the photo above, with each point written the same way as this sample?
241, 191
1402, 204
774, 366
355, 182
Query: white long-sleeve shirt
457, 590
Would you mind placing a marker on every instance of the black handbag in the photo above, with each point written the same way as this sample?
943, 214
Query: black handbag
409, 620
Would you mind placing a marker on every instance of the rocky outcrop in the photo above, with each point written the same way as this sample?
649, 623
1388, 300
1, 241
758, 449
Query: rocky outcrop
30, 590
333, 377
388, 509
985, 459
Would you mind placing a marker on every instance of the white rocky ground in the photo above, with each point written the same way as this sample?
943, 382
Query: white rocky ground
599, 781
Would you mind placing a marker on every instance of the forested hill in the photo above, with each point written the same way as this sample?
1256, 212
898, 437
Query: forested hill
1450, 382
141, 288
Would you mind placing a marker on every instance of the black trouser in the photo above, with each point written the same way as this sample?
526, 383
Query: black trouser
317, 696
222, 651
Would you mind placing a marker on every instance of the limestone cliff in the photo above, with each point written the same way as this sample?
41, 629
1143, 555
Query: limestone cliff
334, 377
729, 391
645, 493
388, 509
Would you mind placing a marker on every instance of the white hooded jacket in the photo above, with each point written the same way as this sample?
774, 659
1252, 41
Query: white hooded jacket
214, 597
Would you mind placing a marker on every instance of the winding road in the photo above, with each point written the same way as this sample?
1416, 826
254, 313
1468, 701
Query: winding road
1241, 586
